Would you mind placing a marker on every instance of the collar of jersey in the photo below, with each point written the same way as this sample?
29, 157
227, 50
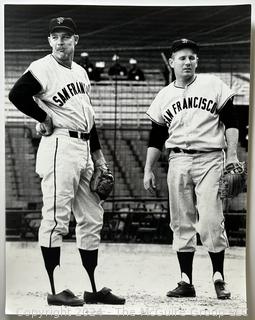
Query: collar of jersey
63, 65
186, 85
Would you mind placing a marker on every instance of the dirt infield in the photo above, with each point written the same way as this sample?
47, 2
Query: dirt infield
142, 273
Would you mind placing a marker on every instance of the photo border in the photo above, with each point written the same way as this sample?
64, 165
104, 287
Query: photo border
250, 232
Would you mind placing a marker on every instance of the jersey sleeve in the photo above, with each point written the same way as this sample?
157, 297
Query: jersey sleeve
224, 93
158, 136
154, 112
229, 115
40, 72
21, 95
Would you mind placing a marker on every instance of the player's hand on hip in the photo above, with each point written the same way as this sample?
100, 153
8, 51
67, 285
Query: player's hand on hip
45, 128
149, 181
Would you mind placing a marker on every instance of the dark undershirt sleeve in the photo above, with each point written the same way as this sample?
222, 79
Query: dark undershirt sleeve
229, 116
94, 140
158, 136
21, 95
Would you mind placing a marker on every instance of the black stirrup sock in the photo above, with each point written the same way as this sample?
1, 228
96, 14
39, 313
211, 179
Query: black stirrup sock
217, 261
186, 263
89, 262
51, 258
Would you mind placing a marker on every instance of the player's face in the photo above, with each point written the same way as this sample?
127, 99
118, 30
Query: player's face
184, 63
63, 44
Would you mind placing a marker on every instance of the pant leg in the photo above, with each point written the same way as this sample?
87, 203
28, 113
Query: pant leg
207, 171
59, 169
88, 212
183, 215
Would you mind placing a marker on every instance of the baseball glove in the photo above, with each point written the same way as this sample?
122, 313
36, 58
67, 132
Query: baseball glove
102, 181
233, 180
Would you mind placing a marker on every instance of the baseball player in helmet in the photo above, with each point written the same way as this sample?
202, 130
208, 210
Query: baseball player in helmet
196, 119
55, 90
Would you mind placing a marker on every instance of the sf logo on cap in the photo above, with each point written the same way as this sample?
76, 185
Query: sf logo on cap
184, 40
60, 20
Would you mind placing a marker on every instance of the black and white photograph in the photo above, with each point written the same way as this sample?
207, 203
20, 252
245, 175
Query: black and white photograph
126, 159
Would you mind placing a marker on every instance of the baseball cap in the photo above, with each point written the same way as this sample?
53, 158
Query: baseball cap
62, 23
184, 43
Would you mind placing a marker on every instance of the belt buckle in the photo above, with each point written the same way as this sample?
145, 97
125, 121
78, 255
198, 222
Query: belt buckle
84, 136
79, 134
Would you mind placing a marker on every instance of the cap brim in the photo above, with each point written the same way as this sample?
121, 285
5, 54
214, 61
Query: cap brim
61, 28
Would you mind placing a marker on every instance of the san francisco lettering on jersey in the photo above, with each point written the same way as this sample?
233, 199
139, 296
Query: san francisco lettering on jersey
70, 90
189, 103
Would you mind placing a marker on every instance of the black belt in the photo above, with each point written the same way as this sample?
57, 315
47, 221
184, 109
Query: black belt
190, 151
79, 135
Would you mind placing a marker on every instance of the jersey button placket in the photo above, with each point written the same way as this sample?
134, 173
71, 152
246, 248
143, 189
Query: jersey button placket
185, 120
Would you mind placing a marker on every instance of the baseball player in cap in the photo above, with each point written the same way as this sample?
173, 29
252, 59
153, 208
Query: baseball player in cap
195, 118
117, 70
87, 65
55, 90
135, 73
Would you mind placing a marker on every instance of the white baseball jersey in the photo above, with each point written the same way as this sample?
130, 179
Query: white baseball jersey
192, 113
65, 93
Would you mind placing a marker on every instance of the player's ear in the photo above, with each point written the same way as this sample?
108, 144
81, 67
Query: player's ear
49, 40
76, 39
197, 61
171, 62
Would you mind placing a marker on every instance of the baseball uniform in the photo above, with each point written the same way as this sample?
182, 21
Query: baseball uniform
192, 117
55, 90
64, 162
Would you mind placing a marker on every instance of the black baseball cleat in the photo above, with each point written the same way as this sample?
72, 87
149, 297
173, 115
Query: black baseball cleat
64, 298
184, 290
221, 291
103, 296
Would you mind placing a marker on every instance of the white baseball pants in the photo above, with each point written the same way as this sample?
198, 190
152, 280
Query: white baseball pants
66, 167
193, 182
